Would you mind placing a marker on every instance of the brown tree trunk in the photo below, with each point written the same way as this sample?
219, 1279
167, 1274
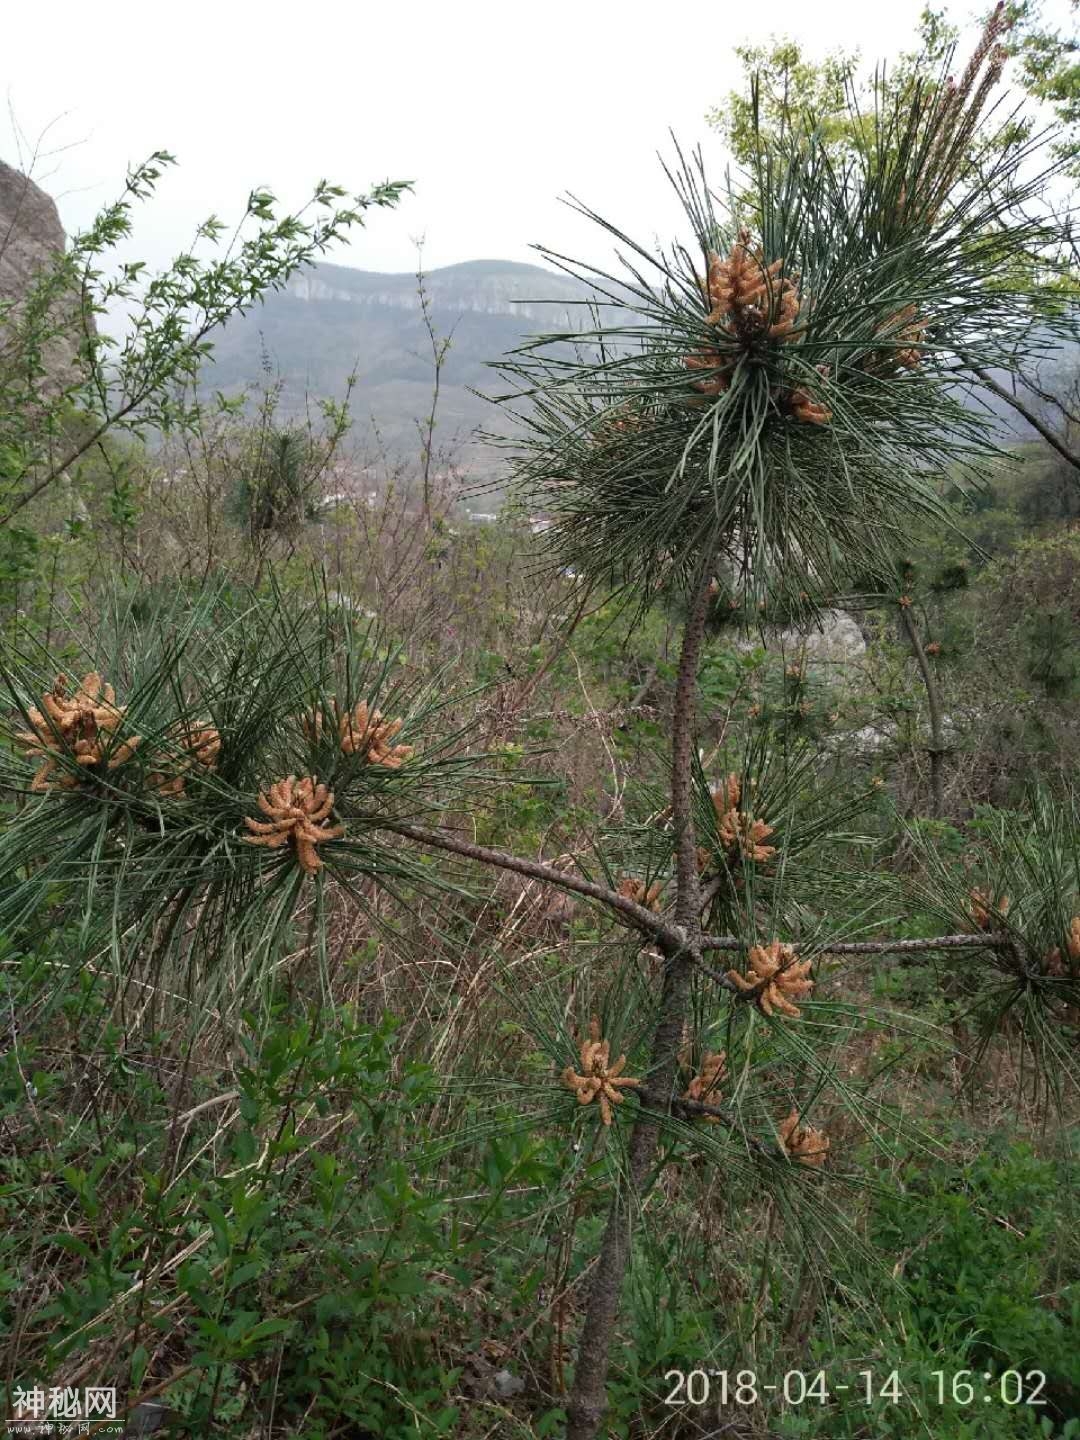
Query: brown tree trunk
588, 1399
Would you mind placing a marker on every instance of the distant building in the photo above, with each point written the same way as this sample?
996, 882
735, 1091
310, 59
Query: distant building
347, 497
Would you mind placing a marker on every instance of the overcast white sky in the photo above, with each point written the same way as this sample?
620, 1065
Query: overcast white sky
493, 109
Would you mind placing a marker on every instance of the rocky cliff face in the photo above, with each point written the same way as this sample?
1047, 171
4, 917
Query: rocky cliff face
31, 236
30, 232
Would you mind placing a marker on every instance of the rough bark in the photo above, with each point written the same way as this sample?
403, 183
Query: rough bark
588, 1400
31, 242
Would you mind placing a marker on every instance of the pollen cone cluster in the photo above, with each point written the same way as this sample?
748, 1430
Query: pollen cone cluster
199, 746
906, 333
778, 976
805, 408
986, 909
748, 298
599, 1079
741, 835
296, 812
364, 732
711, 360
803, 1142
749, 302
81, 727
636, 890
1056, 963
705, 1085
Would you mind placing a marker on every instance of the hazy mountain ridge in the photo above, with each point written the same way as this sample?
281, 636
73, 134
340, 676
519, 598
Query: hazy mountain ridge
483, 287
332, 320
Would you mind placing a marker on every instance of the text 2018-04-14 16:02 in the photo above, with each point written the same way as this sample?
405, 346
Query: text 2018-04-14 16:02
800, 1387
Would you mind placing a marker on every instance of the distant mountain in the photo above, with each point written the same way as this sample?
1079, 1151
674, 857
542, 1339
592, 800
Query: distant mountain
332, 320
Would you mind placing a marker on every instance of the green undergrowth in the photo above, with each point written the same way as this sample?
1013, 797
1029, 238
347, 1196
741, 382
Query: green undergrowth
273, 1219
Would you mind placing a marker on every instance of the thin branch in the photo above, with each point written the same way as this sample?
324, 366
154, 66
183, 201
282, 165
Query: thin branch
666, 935
1049, 398
1049, 435
936, 748
56, 470
878, 947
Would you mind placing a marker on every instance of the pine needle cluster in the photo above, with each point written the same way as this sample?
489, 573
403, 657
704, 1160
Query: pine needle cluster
230, 775
1027, 907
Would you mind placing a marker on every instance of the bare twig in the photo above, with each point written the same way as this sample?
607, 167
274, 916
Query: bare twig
936, 749
1051, 436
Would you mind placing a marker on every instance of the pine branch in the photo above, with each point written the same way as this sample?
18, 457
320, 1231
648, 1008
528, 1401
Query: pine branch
665, 934
879, 947
854, 947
